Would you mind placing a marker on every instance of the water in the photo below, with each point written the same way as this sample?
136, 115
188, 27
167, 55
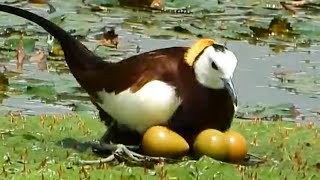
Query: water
252, 78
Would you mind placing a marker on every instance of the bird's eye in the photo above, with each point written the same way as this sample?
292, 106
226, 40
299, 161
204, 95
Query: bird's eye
214, 66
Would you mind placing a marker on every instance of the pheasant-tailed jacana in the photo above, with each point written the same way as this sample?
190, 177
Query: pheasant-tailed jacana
187, 89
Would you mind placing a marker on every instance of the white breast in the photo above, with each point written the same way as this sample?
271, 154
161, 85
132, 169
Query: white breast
153, 104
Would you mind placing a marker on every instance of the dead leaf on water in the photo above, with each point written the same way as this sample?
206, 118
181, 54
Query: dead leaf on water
108, 38
157, 4
38, 1
40, 58
153, 4
277, 27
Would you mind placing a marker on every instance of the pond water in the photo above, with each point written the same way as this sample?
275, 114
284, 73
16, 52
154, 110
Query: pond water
257, 77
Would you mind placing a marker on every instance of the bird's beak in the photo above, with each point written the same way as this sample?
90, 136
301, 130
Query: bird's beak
228, 84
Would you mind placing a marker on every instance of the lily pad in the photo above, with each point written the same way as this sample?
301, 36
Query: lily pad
28, 43
271, 112
300, 83
44, 92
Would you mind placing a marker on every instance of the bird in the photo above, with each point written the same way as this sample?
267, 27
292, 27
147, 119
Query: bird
187, 89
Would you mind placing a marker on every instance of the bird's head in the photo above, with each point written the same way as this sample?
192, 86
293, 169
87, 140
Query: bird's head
213, 65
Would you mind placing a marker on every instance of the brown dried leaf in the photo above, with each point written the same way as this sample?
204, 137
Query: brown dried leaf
40, 58
38, 1
157, 4
153, 4
20, 56
109, 38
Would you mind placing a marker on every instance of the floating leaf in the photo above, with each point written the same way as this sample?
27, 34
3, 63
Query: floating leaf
40, 58
103, 2
58, 19
108, 38
13, 42
46, 92
153, 4
38, 1
277, 27
271, 112
300, 83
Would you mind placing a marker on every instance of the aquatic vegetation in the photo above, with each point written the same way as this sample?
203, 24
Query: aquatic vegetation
47, 146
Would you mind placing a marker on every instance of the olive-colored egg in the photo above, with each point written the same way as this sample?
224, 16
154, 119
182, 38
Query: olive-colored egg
163, 142
212, 143
237, 146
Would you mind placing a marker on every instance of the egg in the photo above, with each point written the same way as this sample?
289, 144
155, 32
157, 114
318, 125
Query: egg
237, 146
212, 143
162, 142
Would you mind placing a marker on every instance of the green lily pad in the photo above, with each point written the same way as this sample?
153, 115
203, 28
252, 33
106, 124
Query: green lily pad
58, 19
300, 83
28, 43
266, 112
45, 92
103, 2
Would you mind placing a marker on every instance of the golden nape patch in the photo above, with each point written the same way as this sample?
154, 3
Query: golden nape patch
196, 49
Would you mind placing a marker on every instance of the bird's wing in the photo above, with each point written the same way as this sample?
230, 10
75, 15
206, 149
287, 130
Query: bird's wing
136, 71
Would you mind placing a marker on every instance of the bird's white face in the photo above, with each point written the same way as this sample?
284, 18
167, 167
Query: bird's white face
215, 64
214, 69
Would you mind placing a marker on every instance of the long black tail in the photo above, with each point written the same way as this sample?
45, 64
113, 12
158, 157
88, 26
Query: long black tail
70, 45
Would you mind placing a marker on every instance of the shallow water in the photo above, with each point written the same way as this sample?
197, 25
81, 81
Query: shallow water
253, 76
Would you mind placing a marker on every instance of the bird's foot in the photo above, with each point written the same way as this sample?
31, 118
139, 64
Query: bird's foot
252, 159
120, 152
101, 149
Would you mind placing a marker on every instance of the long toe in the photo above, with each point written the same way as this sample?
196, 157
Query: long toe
120, 153
102, 150
105, 149
125, 154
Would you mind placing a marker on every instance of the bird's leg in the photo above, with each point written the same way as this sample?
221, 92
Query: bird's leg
123, 153
124, 146
119, 151
104, 146
119, 143
107, 136
117, 135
